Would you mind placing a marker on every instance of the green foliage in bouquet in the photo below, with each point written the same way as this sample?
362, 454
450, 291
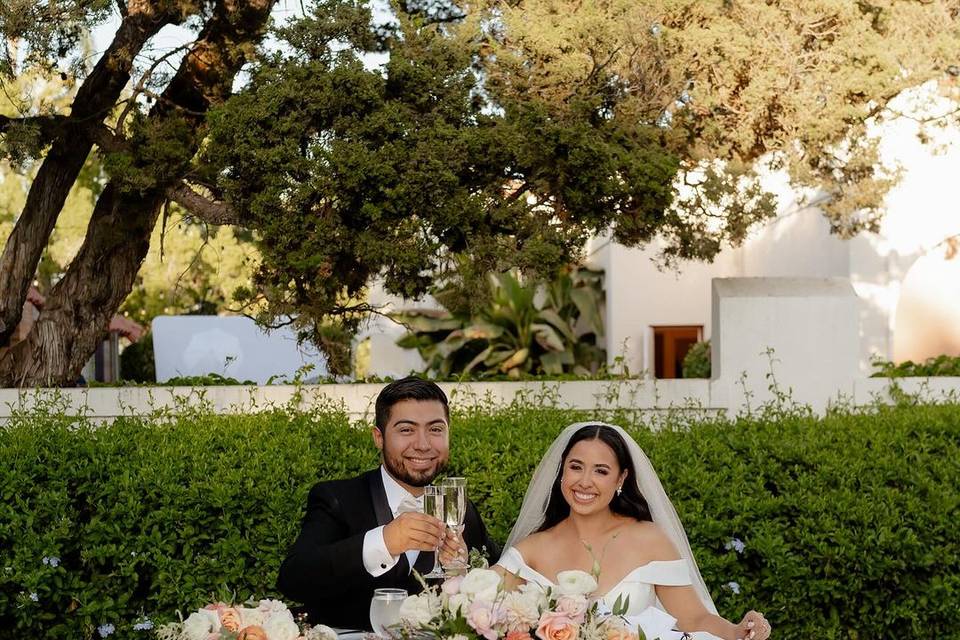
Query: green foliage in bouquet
942, 365
521, 328
837, 527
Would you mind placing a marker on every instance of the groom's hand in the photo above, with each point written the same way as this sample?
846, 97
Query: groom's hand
412, 530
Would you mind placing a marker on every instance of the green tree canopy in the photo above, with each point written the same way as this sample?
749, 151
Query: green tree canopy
496, 134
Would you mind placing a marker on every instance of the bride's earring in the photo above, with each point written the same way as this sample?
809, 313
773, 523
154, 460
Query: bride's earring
619, 489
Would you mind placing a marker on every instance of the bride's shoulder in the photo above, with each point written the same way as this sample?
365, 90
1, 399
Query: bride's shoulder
528, 546
649, 537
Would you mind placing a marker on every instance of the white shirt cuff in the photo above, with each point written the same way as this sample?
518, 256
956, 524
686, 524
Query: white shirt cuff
376, 559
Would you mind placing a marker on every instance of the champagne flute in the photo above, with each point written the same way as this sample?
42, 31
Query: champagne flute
455, 511
433, 506
385, 610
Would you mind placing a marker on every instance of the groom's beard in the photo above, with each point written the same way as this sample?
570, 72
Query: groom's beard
413, 477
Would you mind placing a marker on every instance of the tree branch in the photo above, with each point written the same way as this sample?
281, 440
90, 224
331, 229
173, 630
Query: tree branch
208, 210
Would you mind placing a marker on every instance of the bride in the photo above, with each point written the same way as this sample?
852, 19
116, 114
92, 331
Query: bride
596, 498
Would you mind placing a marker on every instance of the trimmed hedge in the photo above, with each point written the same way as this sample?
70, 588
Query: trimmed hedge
848, 522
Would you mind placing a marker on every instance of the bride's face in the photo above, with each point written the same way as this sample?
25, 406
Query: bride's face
591, 476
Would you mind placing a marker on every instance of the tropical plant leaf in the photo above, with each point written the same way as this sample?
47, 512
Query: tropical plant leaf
555, 320
514, 361
588, 304
547, 337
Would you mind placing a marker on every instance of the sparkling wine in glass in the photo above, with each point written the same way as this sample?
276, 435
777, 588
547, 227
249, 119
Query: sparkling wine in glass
433, 506
385, 610
455, 510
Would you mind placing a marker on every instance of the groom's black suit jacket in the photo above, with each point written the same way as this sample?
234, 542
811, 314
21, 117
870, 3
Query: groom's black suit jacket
324, 567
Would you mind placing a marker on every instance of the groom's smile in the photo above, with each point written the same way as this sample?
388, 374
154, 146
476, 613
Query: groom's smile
415, 443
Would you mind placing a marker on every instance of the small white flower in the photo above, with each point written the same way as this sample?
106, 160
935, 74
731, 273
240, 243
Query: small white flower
252, 617
537, 592
200, 624
665, 119
420, 609
320, 632
458, 636
655, 29
733, 586
145, 625
481, 584
34, 596
51, 561
576, 583
458, 602
272, 606
105, 630
736, 544
281, 627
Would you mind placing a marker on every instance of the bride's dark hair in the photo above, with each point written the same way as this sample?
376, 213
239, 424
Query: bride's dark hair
630, 502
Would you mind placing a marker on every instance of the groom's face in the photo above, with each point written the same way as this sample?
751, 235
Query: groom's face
415, 443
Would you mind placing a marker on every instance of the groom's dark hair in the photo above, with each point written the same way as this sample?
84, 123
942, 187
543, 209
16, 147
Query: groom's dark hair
630, 502
409, 388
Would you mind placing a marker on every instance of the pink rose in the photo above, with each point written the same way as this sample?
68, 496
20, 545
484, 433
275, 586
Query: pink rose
518, 635
451, 587
574, 607
557, 626
482, 618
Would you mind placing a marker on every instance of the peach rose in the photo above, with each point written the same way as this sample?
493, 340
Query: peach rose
253, 632
557, 626
518, 635
619, 633
230, 619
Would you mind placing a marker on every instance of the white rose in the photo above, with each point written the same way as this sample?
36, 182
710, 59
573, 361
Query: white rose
420, 609
458, 601
200, 624
272, 606
521, 610
482, 584
281, 627
249, 617
575, 583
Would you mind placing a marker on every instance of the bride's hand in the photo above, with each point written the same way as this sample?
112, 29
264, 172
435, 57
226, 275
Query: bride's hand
753, 627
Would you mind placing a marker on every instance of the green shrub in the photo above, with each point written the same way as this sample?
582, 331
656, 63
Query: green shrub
848, 521
137, 361
942, 365
696, 364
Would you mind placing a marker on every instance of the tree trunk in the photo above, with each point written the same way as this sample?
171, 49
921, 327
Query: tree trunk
95, 98
79, 307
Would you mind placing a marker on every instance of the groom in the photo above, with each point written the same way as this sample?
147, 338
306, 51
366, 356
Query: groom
366, 533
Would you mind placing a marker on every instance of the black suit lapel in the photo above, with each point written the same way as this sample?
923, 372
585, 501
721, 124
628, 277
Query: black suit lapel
379, 498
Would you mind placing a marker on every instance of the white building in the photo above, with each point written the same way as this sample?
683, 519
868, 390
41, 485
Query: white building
906, 278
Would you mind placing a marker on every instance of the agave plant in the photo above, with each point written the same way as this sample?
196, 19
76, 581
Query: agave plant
526, 328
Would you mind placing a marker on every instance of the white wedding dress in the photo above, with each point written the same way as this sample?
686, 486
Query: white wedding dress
639, 585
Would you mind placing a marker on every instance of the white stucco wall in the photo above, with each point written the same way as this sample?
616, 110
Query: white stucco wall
921, 211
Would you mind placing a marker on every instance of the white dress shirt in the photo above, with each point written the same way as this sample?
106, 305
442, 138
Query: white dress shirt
376, 559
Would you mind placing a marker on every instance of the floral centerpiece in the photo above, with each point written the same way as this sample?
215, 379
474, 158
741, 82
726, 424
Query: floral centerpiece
476, 606
266, 620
